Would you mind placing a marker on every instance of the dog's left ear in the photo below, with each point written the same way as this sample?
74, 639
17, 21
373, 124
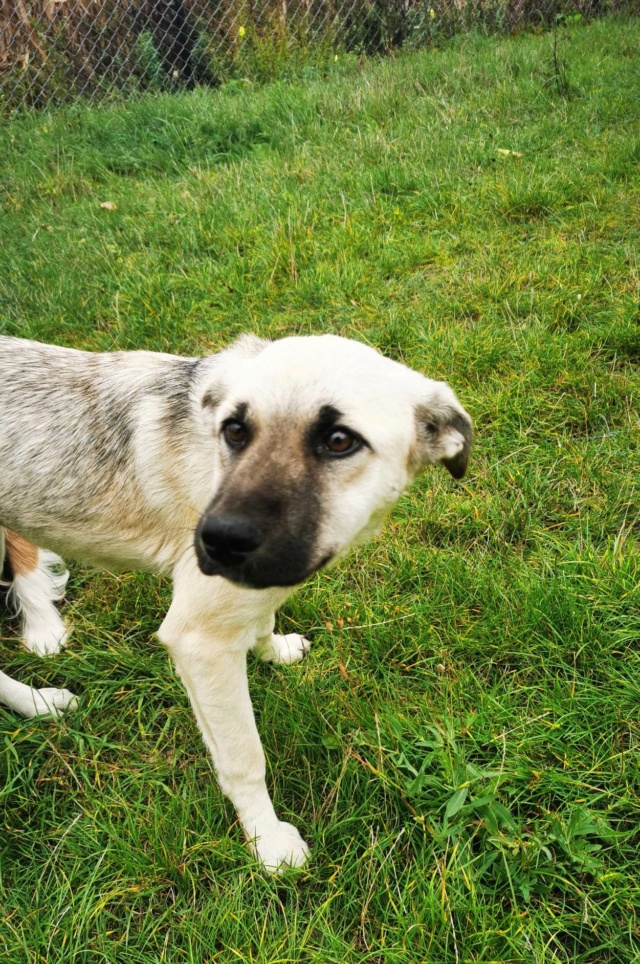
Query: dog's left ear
443, 432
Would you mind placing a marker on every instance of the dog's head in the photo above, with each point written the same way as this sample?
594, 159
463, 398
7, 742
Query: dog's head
316, 437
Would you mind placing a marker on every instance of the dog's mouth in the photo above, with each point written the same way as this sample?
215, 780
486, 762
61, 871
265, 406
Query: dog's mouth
264, 573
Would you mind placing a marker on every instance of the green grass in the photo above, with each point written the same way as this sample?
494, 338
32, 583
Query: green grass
461, 745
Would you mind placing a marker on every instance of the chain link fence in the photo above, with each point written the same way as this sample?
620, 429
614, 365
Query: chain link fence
56, 50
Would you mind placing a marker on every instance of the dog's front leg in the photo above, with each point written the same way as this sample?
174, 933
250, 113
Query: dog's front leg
218, 690
272, 648
210, 657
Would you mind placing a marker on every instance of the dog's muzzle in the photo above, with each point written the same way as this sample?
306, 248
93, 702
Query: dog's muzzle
247, 554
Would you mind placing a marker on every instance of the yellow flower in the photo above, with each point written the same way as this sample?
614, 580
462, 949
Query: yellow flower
432, 13
241, 31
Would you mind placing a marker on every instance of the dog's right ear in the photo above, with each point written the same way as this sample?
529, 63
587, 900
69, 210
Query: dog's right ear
246, 346
444, 432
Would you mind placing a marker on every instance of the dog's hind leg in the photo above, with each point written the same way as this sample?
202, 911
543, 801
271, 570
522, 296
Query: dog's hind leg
38, 581
28, 701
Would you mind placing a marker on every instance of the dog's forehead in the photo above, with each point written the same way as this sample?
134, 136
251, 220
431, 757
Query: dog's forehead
307, 373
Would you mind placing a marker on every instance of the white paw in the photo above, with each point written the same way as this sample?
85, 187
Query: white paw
284, 649
49, 702
282, 847
45, 634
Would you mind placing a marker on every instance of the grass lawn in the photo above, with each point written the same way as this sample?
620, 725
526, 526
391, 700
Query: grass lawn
461, 747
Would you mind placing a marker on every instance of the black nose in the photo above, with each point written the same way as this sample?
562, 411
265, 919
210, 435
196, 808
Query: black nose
229, 539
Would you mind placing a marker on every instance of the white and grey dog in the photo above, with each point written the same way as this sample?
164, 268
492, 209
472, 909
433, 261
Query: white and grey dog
239, 474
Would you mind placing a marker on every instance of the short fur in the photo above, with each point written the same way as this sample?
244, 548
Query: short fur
127, 460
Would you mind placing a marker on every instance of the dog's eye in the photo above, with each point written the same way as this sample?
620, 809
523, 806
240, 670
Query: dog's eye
339, 441
235, 434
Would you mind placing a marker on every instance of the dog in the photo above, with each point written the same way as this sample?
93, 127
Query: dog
239, 474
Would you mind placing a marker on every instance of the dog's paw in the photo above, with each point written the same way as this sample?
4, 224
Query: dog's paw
284, 649
50, 701
281, 848
44, 633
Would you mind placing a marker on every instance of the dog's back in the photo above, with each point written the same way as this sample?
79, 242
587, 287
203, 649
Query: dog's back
70, 474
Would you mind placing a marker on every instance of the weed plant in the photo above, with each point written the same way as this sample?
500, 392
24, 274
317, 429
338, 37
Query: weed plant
67, 53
